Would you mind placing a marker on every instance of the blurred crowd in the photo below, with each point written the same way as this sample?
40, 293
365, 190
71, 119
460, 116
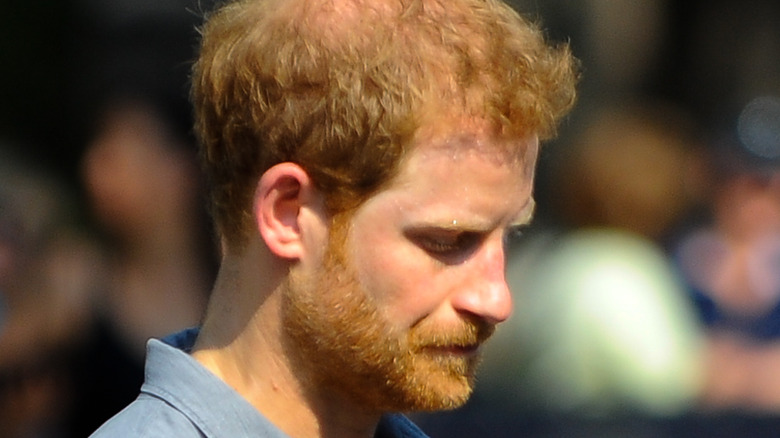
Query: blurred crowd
647, 292
104, 241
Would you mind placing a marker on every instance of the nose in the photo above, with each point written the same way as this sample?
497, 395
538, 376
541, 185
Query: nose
484, 292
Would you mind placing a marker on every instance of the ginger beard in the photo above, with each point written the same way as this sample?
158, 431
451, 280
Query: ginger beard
341, 341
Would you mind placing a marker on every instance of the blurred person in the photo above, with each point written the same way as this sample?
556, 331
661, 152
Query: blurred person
731, 266
633, 166
144, 191
47, 274
143, 187
367, 162
602, 330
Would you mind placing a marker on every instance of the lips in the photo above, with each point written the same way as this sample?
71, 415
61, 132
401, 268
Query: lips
462, 342
452, 350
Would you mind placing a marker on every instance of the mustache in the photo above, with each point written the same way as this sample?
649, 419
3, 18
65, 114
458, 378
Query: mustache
468, 334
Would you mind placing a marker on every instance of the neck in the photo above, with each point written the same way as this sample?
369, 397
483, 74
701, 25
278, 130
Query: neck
242, 342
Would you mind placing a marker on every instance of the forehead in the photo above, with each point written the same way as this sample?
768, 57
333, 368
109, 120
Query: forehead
461, 133
453, 142
464, 174
461, 146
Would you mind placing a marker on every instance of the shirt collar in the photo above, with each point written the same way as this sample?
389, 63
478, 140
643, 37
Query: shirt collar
212, 405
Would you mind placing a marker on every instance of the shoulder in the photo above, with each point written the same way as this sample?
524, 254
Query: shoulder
148, 417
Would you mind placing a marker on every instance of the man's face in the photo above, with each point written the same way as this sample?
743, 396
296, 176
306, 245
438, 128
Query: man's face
413, 282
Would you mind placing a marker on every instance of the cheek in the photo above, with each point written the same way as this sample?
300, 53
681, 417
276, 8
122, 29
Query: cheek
400, 280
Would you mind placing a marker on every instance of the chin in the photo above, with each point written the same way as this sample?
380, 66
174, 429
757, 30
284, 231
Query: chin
439, 398
436, 385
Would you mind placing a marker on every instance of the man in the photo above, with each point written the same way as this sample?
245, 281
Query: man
367, 161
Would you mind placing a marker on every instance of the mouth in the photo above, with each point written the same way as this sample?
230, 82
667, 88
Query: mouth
469, 350
465, 343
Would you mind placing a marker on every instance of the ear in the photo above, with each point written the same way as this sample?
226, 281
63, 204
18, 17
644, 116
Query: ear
283, 203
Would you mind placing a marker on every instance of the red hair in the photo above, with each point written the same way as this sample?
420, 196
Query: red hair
342, 86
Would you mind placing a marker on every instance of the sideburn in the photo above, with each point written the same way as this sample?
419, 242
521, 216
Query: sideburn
335, 336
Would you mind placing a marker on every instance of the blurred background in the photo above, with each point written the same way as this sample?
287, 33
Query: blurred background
647, 292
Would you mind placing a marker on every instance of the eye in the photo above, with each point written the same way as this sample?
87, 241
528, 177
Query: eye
445, 243
438, 244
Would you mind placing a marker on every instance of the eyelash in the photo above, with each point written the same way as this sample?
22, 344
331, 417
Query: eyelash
448, 245
458, 243
436, 246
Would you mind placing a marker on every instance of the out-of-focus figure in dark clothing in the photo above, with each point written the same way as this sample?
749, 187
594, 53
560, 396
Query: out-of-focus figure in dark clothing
732, 266
144, 192
604, 327
603, 333
48, 273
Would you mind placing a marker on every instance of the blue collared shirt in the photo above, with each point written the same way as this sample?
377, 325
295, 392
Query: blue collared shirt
181, 398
